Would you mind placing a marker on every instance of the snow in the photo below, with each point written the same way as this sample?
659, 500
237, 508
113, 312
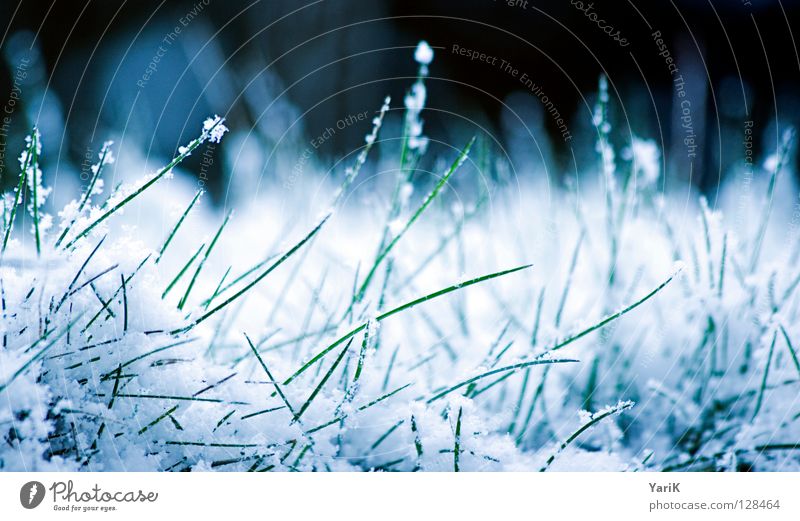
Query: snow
215, 128
645, 156
423, 54
144, 393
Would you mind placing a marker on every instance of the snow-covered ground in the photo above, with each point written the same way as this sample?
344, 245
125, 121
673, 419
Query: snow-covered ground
644, 331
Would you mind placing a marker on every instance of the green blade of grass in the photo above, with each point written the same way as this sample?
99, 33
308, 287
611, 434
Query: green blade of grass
389, 368
782, 155
39, 354
97, 171
78, 275
361, 356
229, 285
258, 279
537, 393
760, 399
360, 409
621, 406
613, 316
513, 425
177, 225
418, 448
271, 379
154, 422
457, 445
35, 195
263, 411
179, 343
182, 271
538, 318
124, 303
23, 177
108, 302
398, 309
512, 368
568, 282
185, 297
462, 157
791, 349
477, 392
217, 290
322, 382
161, 173
385, 435
177, 397
352, 172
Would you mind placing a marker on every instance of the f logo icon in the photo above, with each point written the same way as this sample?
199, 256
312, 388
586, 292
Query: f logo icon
31, 494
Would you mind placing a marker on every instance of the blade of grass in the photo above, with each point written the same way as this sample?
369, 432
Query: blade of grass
97, 170
35, 187
398, 309
177, 225
597, 417
108, 303
791, 349
418, 448
512, 368
322, 382
258, 279
186, 151
39, 354
386, 435
23, 177
513, 425
389, 369
124, 303
360, 409
182, 271
537, 321
271, 379
613, 316
217, 290
568, 282
238, 279
203, 261
78, 275
154, 422
352, 172
760, 399
108, 375
428, 200
457, 445
782, 156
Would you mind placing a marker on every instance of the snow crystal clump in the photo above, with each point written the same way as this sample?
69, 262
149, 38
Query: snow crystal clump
423, 54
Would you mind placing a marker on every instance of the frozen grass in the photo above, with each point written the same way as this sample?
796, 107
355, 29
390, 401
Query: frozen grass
356, 341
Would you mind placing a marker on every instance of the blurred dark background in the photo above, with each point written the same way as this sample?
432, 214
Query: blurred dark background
332, 58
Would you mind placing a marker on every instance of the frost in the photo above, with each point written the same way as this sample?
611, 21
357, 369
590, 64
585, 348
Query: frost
645, 156
424, 54
377, 122
415, 102
396, 226
415, 99
215, 128
405, 193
